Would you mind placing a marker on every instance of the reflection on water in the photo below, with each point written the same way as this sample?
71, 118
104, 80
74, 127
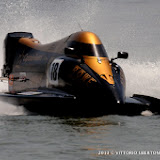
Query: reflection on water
91, 132
90, 122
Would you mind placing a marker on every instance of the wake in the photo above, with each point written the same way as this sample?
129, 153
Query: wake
7, 109
11, 110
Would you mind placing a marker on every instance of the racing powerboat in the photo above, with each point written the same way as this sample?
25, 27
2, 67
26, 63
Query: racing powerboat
72, 76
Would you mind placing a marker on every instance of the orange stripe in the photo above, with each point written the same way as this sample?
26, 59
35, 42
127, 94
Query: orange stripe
31, 42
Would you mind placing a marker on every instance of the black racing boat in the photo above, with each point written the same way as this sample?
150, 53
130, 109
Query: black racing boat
72, 76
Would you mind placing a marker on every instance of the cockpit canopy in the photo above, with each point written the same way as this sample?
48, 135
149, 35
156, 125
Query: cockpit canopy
85, 44
77, 49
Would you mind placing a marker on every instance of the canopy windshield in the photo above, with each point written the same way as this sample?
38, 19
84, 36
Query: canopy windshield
84, 49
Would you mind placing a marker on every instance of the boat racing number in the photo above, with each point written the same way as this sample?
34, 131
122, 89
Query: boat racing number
54, 71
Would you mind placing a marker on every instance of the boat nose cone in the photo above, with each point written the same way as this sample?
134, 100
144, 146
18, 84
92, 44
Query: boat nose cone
118, 102
119, 98
116, 95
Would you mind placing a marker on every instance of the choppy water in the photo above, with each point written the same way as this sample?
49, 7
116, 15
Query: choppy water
41, 137
122, 25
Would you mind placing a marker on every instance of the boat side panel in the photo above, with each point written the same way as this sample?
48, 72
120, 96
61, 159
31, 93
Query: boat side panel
30, 69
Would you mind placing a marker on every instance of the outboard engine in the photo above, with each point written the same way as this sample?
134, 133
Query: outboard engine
12, 47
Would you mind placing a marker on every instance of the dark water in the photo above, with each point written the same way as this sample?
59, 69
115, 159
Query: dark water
122, 25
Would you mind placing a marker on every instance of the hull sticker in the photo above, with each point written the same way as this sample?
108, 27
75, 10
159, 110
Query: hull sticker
54, 71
